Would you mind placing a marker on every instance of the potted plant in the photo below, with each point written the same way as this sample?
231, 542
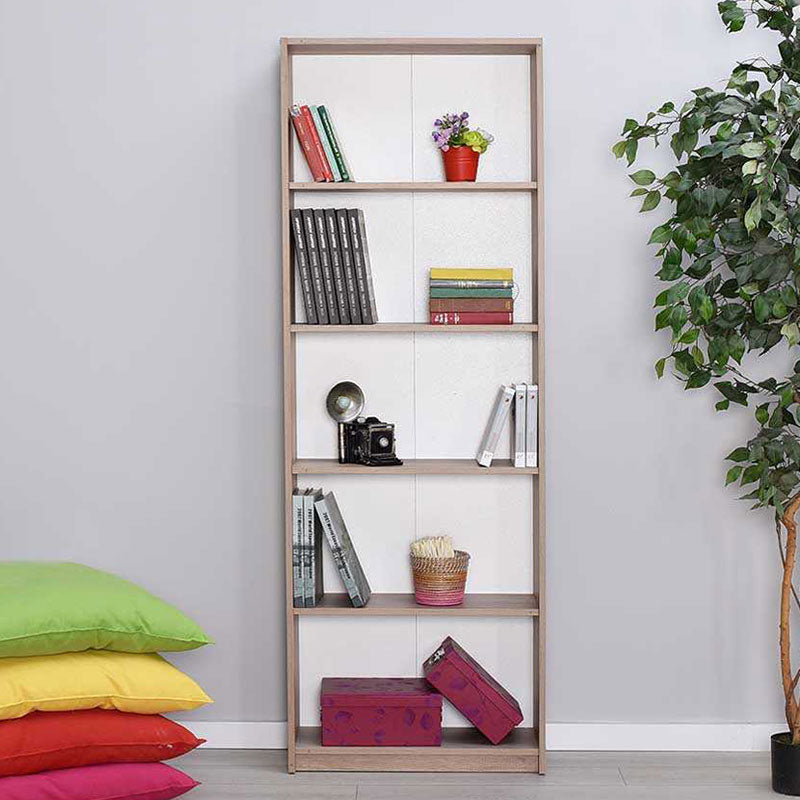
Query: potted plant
461, 147
729, 257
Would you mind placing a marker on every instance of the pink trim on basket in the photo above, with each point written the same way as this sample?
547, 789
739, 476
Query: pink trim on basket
439, 598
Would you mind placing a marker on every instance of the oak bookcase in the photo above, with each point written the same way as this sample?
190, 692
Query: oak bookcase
464, 749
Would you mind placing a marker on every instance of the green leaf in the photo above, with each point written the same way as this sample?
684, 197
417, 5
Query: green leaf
787, 395
733, 475
660, 364
663, 318
631, 147
619, 148
795, 151
678, 319
630, 125
722, 405
698, 379
690, 336
761, 308
739, 454
706, 309
651, 201
753, 216
753, 149
792, 333
638, 192
762, 414
660, 235
749, 167
644, 177
697, 356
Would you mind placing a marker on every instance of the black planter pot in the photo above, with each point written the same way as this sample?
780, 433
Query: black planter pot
785, 765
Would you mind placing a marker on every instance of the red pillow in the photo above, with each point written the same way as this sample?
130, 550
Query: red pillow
102, 782
59, 739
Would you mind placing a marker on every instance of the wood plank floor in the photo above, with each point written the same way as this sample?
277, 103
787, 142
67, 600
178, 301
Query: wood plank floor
261, 775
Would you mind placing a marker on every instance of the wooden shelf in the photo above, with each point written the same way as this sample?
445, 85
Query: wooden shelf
410, 466
414, 186
414, 327
462, 750
430, 45
404, 605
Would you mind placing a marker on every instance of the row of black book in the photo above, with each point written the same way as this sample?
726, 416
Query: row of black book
332, 259
316, 515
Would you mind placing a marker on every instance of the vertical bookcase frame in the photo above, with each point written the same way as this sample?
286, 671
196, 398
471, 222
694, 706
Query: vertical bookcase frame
464, 750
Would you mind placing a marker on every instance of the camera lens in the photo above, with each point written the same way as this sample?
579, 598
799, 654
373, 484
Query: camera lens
383, 441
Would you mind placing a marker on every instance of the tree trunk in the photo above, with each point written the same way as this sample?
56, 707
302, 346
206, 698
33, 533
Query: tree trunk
789, 562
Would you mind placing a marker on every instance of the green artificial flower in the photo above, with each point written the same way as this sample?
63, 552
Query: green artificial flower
476, 140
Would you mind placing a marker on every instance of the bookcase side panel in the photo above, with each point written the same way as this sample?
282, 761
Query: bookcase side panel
369, 100
495, 90
357, 648
489, 229
503, 647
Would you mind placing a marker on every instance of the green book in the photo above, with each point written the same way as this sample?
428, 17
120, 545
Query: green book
326, 146
333, 140
472, 293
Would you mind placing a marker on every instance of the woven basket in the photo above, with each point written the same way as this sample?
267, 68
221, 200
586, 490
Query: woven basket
440, 581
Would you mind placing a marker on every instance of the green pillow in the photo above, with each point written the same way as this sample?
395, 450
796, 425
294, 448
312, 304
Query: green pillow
48, 608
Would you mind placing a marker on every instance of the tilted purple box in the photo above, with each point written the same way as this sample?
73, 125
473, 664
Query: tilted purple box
380, 712
472, 690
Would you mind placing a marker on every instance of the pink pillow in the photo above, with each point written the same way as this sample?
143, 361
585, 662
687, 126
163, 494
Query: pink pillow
100, 782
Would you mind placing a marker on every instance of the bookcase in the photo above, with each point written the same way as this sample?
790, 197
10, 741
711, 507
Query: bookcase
430, 380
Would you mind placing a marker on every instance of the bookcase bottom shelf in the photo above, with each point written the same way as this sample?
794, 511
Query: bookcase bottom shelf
404, 605
411, 466
462, 750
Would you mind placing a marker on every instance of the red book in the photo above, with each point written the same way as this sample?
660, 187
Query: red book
470, 304
471, 318
307, 144
326, 167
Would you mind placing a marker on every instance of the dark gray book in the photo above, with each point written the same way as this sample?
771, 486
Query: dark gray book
298, 595
362, 231
337, 267
347, 265
325, 264
316, 268
303, 268
344, 553
359, 263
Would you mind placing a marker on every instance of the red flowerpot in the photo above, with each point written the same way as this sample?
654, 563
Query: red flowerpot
460, 164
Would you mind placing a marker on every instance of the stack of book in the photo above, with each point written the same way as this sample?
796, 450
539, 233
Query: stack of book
320, 143
471, 296
315, 515
333, 266
519, 402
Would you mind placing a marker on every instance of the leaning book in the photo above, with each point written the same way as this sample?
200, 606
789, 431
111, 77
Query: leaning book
344, 554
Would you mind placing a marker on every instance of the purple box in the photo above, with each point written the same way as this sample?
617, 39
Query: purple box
380, 712
472, 690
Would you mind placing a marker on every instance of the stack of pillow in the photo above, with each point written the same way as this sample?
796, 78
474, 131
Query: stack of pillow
82, 686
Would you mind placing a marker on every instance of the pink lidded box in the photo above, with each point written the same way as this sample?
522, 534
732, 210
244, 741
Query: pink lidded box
472, 690
380, 712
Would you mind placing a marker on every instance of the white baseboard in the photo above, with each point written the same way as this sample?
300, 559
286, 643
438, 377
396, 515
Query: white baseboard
560, 736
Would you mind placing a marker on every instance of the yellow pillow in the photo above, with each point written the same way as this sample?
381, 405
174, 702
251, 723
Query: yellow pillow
143, 683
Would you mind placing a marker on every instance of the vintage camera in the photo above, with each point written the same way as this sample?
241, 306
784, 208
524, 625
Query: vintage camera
362, 440
367, 441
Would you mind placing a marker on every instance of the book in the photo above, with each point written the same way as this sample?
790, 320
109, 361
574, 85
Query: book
336, 266
471, 318
303, 267
333, 139
301, 128
313, 545
520, 397
471, 304
317, 142
456, 284
325, 266
468, 273
362, 234
495, 425
298, 594
344, 553
314, 265
348, 267
308, 547
360, 265
532, 427
472, 293
323, 137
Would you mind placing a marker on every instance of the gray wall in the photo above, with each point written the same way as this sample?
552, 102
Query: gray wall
140, 423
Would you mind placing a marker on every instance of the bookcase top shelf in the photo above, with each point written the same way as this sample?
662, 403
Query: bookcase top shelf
404, 605
411, 466
414, 186
442, 45
414, 327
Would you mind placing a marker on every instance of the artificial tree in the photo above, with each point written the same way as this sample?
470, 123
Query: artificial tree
729, 255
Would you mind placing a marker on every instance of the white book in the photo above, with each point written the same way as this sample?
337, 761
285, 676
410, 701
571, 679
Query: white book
494, 427
520, 395
297, 538
532, 427
308, 546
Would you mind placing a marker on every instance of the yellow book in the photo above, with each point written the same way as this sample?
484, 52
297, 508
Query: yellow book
465, 273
